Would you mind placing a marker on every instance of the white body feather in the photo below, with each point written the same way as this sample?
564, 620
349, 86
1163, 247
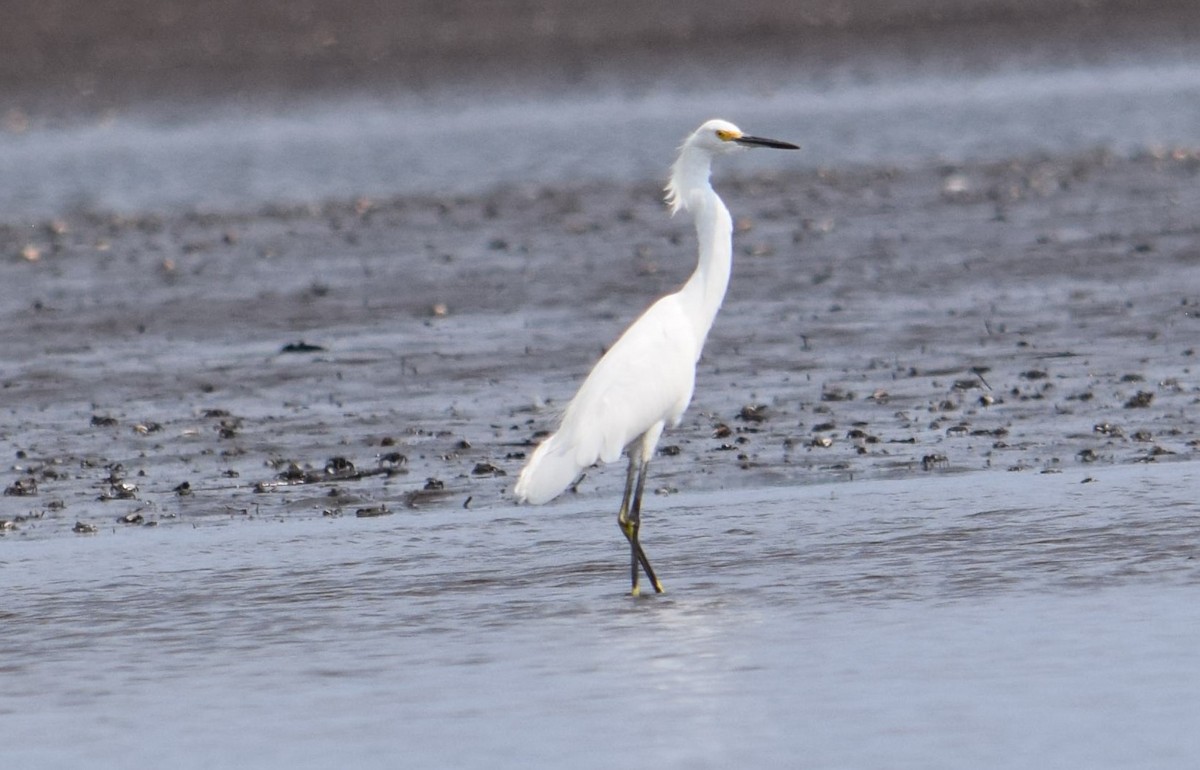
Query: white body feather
645, 380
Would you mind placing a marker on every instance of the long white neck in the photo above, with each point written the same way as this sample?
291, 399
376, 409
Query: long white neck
689, 188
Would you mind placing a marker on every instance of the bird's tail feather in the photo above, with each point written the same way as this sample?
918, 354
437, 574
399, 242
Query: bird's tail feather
550, 470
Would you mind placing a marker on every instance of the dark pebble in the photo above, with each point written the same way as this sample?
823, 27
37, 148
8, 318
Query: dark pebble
301, 347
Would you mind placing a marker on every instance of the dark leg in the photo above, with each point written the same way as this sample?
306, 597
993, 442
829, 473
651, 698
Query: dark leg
628, 521
624, 523
635, 520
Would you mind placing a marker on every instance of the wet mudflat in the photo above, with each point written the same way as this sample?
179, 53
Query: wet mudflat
933, 504
1027, 316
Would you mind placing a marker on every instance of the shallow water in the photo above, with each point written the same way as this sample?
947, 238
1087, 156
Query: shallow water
995, 620
225, 159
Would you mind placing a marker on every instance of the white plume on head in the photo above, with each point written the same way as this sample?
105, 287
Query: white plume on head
673, 198
695, 159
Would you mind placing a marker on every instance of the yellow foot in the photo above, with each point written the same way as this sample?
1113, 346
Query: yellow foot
636, 591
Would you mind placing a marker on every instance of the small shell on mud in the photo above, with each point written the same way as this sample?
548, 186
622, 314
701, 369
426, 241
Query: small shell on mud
753, 413
120, 490
487, 469
955, 184
1139, 401
338, 466
25, 487
931, 461
834, 393
393, 460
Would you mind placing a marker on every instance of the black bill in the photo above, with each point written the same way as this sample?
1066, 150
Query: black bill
758, 141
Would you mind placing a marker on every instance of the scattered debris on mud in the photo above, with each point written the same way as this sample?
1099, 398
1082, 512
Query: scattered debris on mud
1033, 315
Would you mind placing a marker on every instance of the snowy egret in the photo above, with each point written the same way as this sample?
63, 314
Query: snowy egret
644, 382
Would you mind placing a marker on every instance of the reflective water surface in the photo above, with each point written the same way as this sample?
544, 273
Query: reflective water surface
984, 620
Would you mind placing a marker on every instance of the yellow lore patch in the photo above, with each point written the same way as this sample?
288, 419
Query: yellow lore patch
728, 136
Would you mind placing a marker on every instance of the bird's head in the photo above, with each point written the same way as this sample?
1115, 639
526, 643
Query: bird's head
718, 137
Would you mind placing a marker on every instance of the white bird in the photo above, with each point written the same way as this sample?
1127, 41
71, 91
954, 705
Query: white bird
644, 382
